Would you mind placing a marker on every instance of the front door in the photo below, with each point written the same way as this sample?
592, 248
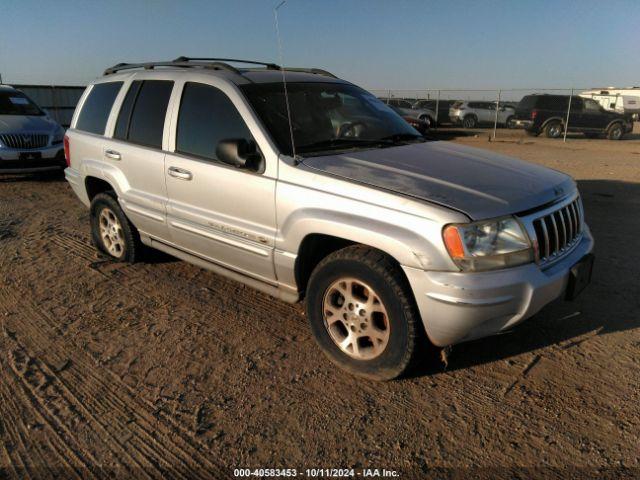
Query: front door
220, 213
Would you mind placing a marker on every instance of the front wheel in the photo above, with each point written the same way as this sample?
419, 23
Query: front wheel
362, 314
111, 230
510, 123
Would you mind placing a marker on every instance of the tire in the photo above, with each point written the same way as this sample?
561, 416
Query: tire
111, 230
615, 131
553, 129
509, 123
357, 274
470, 121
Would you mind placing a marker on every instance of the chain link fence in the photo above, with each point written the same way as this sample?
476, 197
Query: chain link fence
492, 109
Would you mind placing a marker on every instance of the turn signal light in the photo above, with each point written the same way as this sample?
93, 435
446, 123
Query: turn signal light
453, 242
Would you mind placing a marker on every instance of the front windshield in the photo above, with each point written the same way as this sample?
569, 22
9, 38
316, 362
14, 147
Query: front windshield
13, 102
327, 117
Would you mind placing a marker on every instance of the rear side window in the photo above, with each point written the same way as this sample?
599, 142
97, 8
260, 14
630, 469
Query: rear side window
95, 111
122, 125
206, 117
141, 117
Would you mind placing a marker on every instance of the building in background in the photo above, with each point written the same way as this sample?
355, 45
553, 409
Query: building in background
58, 101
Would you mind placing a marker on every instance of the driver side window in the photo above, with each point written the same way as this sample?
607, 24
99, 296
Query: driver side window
591, 106
206, 117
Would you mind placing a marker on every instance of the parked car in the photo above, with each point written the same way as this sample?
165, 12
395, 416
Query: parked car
405, 109
324, 195
420, 125
442, 106
548, 114
30, 141
473, 114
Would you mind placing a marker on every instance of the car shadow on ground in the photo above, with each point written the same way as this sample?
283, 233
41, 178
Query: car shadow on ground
609, 304
54, 176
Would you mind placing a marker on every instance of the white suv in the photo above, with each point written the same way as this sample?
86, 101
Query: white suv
324, 194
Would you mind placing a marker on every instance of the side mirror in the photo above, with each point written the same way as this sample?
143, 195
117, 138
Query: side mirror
240, 153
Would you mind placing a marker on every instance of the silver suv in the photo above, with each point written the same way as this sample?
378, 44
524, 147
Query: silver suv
30, 141
324, 194
473, 114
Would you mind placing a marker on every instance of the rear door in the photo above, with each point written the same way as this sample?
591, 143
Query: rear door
136, 149
218, 212
87, 133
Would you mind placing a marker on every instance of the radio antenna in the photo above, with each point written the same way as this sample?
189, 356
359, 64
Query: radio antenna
284, 79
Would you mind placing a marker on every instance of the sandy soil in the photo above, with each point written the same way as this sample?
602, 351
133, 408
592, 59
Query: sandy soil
161, 369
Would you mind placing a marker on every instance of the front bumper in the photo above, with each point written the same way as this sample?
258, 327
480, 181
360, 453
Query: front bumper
457, 307
522, 123
39, 159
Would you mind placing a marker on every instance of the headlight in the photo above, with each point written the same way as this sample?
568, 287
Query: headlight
488, 245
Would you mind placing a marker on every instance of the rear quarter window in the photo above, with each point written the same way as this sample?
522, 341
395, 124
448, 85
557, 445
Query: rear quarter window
96, 108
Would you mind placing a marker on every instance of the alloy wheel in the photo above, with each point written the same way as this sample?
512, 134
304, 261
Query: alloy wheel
356, 319
111, 233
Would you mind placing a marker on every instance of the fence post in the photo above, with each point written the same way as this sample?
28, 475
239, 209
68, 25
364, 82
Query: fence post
388, 96
437, 109
495, 123
566, 124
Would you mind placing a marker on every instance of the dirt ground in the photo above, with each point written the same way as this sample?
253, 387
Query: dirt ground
164, 370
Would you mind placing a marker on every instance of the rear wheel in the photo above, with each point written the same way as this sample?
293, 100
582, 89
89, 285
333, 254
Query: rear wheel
111, 230
510, 123
615, 131
553, 130
470, 121
362, 314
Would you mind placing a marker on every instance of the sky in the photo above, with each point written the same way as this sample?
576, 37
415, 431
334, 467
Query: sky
399, 44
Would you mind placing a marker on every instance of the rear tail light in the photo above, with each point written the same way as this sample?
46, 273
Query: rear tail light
534, 114
67, 155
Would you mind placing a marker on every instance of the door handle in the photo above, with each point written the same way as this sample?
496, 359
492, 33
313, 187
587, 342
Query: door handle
112, 154
180, 173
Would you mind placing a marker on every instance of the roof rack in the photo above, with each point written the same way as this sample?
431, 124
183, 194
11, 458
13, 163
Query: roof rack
270, 66
212, 63
151, 65
317, 71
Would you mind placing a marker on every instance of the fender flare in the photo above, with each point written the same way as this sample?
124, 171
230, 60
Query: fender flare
552, 119
404, 245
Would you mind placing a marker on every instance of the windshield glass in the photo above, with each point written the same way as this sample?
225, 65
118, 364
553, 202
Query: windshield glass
327, 117
13, 102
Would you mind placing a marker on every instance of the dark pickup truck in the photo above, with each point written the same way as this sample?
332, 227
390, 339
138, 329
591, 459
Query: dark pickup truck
548, 114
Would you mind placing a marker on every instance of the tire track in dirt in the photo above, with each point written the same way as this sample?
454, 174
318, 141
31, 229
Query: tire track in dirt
196, 290
160, 449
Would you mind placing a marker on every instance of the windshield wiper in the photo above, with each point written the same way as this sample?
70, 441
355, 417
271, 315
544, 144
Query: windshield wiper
397, 138
344, 142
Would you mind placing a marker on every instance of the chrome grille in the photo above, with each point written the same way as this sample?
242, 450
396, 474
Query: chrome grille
558, 231
24, 141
